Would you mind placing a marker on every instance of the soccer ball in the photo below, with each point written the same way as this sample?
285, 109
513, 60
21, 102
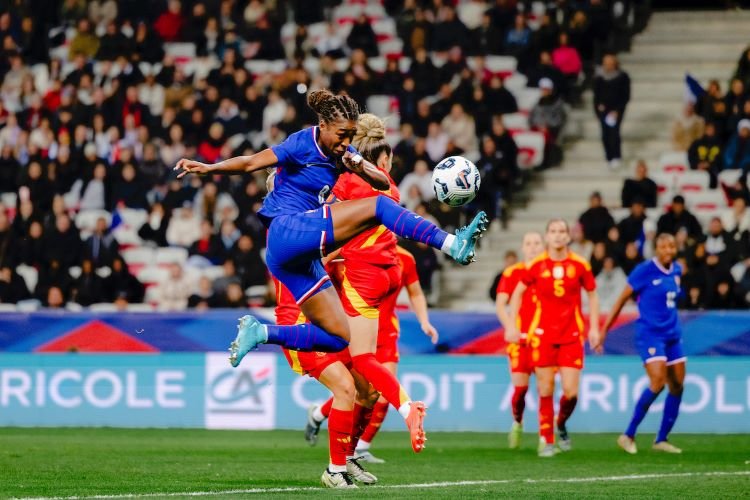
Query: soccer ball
455, 181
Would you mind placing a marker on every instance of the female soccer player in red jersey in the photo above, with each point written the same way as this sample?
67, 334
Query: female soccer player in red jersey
386, 353
519, 353
557, 334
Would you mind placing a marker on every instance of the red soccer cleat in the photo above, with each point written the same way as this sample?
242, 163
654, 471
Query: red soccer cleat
415, 422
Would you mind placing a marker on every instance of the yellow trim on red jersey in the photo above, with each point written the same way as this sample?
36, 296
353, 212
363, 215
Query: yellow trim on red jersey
534, 321
374, 236
296, 365
577, 258
511, 269
579, 320
356, 300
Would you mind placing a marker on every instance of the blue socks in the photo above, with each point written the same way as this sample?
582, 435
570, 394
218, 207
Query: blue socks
641, 408
305, 337
671, 410
407, 224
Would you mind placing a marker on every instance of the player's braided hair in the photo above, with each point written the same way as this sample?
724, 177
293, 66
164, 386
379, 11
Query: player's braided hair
330, 107
370, 137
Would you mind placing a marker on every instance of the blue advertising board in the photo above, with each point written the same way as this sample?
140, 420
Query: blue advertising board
463, 393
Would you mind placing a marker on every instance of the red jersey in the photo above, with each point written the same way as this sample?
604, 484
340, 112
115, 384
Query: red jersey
508, 282
377, 245
287, 310
558, 285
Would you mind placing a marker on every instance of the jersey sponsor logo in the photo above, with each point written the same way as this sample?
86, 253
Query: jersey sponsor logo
656, 282
558, 272
652, 350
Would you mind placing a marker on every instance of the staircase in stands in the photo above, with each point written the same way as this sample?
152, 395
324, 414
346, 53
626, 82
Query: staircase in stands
705, 44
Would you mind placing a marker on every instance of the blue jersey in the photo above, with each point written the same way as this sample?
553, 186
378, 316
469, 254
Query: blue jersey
657, 290
305, 176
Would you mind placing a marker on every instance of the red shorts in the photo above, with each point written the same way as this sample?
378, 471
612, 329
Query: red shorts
545, 354
364, 287
519, 358
314, 363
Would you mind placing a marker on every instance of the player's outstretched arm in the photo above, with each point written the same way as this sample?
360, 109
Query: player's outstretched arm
236, 165
419, 304
595, 340
366, 170
625, 295
511, 332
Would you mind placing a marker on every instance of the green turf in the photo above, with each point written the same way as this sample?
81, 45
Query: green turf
83, 462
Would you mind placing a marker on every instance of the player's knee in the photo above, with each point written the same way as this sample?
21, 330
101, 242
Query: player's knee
570, 392
675, 388
345, 393
657, 384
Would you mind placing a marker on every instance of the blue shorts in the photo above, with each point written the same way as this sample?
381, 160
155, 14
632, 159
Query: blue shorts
653, 348
295, 245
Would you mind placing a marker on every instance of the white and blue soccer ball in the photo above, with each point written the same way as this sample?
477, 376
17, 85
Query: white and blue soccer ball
455, 181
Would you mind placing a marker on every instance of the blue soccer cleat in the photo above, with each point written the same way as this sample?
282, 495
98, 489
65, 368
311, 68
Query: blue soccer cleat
250, 333
462, 249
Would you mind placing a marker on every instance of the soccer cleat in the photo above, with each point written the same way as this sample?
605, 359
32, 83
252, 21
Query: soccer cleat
359, 473
666, 447
462, 249
547, 451
337, 480
514, 436
367, 457
250, 333
312, 427
415, 423
627, 443
564, 442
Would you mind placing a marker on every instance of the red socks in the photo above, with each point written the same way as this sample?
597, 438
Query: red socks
361, 416
519, 402
379, 411
380, 378
340, 424
546, 418
566, 410
325, 409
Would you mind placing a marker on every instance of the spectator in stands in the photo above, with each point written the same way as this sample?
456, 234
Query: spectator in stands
12, 286
154, 230
84, 42
449, 31
578, 242
707, 153
631, 227
498, 99
686, 128
208, 246
460, 129
88, 288
724, 295
611, 97
249, 264
172, 294
712, 107
101, 248
678, 217
427, 263
232, 298
121, 283
548, 116
170, 23
546, 69
566, 59
721, 250
609, 283
63, 243
204, 297
596, 220
184, 227
737, 154
230, 276
639, 187
518, 41
497, 173
737, 218
54, 298
631, 258
597, 257
509, 259
421, 177
488, 38
362, 36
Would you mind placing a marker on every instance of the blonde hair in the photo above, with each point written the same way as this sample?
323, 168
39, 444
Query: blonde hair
370, 137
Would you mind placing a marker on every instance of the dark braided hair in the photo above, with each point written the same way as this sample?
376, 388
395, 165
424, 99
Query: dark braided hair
330, 107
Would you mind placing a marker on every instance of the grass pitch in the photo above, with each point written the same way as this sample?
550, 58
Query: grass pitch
124, 463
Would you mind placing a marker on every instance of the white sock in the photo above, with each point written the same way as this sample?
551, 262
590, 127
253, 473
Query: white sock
349, 457
362, 445
446, 248
404, 410
336, 468
318, 415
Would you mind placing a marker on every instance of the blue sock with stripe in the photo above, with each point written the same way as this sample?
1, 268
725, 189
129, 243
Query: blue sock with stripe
407, 224
671, 410
305, 337
641, 408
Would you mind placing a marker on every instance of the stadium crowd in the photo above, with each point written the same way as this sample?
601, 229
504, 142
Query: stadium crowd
100, 97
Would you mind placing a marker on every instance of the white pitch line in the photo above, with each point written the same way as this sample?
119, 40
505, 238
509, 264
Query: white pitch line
443, 484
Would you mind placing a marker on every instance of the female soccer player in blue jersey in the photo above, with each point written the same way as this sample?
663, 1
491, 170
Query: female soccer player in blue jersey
302, 229
656, 283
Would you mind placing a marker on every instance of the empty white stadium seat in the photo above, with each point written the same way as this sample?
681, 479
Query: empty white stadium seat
180, 50
139, 255
692, 181
674, 161
103, 307
527, 98
501, 64
730, 177
171, 255
706, 200
152, 274
8, 200
515, 82
516, 121
29, 274
86, 219
530, 148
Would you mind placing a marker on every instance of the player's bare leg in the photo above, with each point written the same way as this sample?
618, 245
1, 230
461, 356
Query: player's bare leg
520, 383
570, 379
675, 381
